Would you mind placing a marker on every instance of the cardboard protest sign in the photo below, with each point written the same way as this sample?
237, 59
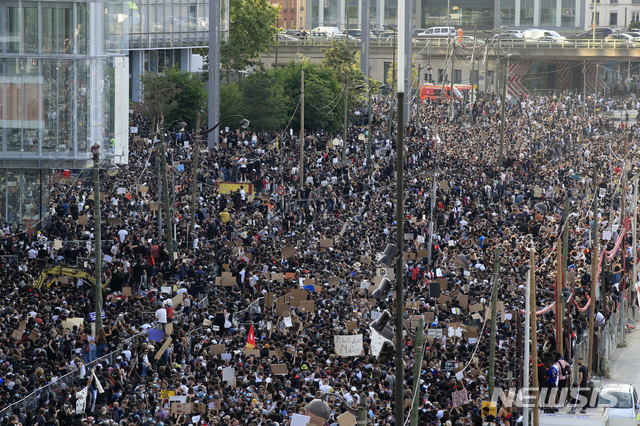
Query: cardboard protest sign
296, 296
217, 349
348, 345
326, 242
277, 276
351, 325
346, 419
307, 306
163, 348
229, 375
287, 252
459, 398
69, 323
279, 369
176, 301
268, 300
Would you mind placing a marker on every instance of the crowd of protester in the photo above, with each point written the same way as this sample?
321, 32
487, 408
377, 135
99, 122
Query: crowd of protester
240, 269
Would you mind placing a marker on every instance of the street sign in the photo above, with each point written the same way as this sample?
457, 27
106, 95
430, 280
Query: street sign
280, 190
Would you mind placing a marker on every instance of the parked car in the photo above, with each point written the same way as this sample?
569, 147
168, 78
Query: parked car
622, 401
536, 34
287, 37
293, 33
621, 38
511, 36
601, 33
439, 32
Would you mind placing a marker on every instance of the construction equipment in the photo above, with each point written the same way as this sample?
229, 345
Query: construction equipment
49, 276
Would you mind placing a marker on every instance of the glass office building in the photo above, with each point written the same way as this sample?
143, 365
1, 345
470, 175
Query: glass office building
468, 14
60, 84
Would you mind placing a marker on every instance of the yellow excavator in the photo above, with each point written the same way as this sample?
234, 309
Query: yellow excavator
48, 276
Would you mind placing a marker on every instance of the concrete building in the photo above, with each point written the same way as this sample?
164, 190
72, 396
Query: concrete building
292, 15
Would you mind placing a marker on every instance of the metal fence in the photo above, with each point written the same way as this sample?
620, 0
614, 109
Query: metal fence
40, 396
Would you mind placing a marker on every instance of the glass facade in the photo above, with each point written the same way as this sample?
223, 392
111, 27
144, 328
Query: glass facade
469, 14
56, 96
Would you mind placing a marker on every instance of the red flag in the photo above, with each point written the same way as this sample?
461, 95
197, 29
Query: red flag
251, 341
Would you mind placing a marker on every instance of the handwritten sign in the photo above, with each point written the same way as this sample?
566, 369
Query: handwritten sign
350, 345
459, 398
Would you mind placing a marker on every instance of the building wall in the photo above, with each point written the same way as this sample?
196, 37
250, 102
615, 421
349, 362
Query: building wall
613, 14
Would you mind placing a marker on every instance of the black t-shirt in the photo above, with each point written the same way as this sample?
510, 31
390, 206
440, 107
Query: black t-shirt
585, 375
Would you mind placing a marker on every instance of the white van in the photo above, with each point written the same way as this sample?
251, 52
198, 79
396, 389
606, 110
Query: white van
594, 417
535, 35
439, 32
622, 401
325, 32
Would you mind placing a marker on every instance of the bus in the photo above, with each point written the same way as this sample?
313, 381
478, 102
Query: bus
434, 91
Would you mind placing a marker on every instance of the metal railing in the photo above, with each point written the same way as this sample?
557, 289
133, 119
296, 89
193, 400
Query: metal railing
40, 396
501, 44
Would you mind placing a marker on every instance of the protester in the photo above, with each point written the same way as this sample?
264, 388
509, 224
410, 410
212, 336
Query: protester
294, 265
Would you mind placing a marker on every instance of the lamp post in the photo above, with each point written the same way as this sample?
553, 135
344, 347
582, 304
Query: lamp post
111, 170
393, 73
593, 29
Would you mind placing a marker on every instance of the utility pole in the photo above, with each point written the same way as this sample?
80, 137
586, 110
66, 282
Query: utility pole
362, 410
433, 206
565, 249
594, 267
302, 129
399, 389
494, 319
623, 216
165, 188
393, 82
370, 113
473, 62
534, 336
196, 161
634, 224
346, 110
417, 368
527, 349
453, 60
559, 316
95, 150
159, 167
503, 118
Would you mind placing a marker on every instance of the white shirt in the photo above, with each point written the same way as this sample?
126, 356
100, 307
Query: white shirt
123, 234
161, 315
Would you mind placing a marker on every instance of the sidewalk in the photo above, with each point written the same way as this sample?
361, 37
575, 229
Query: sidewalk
624, 366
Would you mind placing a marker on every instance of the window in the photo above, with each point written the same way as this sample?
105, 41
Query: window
613, 1
635, 16
457, 76
597, 18
613, 18
440, 75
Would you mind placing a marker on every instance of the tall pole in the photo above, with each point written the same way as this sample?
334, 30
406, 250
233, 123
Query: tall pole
634, 249
565, 260
95, 149
196, 161
417, 367
593, 22
534, 335
473, 62
527, 353
346, 109
494, 319
399, 390
302, 128
559, 316
433, 206
370, 114
214, 74
393, 82
165, 189
503, 117
594, 267
623, 215
159, 167
399, 364
453, 60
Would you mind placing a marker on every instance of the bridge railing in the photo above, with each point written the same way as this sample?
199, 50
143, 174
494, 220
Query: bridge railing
443, 43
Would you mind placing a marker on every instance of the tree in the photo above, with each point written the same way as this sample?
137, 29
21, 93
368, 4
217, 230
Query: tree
322, 92
251, 33
177, 95
343, 61
264, 101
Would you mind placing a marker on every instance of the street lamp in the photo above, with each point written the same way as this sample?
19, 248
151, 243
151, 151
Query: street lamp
244, 123
457, 9
111, 170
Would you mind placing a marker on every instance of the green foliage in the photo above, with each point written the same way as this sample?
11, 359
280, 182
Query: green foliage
634, 25
343, 61
264, 101
175, 94
322, 91
251, 33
